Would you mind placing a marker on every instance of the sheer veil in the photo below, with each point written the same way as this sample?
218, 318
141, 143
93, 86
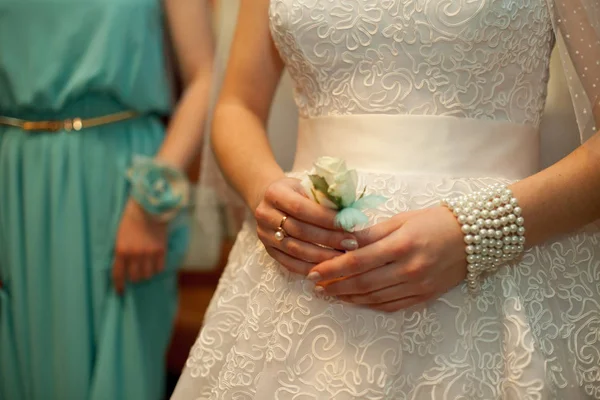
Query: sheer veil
576, 26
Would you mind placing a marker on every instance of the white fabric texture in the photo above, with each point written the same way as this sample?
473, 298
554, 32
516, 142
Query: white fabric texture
474, 70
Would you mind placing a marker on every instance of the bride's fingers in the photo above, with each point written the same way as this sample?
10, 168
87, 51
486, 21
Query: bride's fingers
396, 273
387, 295
296, 248
293, 204
375, 255
290, 263
270, 219
402, 304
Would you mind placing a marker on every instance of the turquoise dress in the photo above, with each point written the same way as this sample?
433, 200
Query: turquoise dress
64, 332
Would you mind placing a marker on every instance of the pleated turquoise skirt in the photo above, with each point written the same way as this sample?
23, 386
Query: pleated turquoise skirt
64, 332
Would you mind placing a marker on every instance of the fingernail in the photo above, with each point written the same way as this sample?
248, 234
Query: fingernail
349, 244
319, 289
314, 276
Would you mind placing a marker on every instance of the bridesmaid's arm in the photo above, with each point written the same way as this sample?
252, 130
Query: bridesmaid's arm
191, 32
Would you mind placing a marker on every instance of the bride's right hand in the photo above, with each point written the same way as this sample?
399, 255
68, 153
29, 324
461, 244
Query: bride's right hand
310, 233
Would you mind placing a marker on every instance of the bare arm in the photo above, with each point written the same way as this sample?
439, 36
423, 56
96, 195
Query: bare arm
190, 28
238, 135
141, 242
563, 197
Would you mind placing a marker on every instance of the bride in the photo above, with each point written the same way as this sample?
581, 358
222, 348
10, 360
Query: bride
479, 277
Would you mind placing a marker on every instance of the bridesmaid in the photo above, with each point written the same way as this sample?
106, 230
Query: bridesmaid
88, 258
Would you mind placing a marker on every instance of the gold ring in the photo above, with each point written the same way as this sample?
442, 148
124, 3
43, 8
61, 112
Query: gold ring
280, 234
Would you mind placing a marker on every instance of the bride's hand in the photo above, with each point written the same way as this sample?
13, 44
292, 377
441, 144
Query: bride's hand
409, 259
307, 226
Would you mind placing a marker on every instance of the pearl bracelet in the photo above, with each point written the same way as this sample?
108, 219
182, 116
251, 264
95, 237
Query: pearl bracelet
493, 227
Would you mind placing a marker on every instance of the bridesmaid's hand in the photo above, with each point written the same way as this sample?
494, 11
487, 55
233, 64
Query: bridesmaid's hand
409, 259
309, 227
140, 247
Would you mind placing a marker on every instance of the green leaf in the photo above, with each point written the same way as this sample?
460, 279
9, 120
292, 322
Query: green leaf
319, 183
336, 200
314, 195
363, 193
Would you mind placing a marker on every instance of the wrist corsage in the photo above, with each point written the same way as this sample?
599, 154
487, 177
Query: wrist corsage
334, 186
161, 190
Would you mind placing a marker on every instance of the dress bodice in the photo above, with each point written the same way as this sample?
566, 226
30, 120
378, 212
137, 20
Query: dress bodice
482, 59
56, 52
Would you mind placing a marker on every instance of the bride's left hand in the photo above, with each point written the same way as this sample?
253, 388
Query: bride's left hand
408, 259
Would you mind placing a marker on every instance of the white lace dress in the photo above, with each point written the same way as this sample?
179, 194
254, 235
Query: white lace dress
427, 99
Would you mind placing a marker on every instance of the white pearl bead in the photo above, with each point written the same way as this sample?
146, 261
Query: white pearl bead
470, 249
490, 233
471, 268
485, 242
499, 234
508, 208
494, 214
520, 221
521, 230
482, 233
476, 212
488, 223
471, 276
514, 202
506, 230
462, 219
520, 248
496, 223
506, 240
457, 211
497, 202
514, 239
522, 240
485, 214
468, 239
477, 239
279, 236
471, 219
511, 218
489, 205
513, 228
517, 211
466, 229
501, 210
471, 258
504, 221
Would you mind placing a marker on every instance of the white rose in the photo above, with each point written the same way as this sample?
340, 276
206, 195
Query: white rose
344, 186
329, 168
321, 198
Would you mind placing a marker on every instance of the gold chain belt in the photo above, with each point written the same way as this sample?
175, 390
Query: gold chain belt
74, 124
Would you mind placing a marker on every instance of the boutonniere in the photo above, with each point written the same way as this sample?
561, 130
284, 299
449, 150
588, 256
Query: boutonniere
333, 185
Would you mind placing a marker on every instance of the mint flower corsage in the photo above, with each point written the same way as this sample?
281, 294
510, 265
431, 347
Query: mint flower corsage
161, 190
334, 186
